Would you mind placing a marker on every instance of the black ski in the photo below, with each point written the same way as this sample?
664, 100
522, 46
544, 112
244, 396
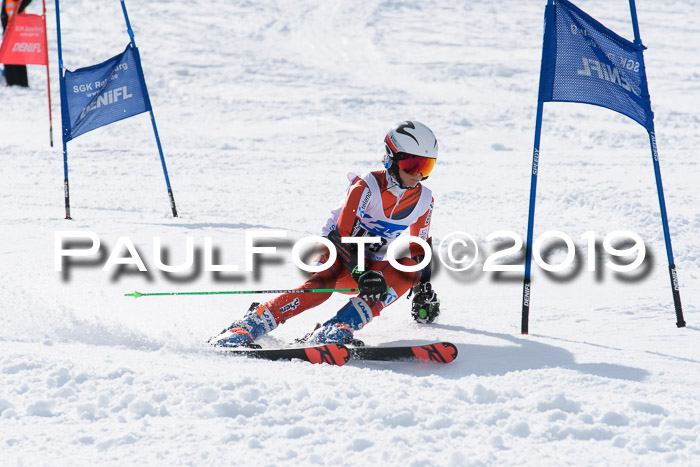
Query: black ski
334, 354
438, 352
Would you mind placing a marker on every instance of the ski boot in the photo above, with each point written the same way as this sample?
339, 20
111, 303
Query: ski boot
339, 329
257, 322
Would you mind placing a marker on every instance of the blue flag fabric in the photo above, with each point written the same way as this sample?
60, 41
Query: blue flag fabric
101, 94
583, 61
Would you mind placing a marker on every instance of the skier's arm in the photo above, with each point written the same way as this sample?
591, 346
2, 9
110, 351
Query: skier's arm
425, 306
421, 229
349, 218
372, 284
356, 202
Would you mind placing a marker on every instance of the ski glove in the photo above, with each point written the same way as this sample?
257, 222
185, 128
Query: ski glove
372, 285
426, 305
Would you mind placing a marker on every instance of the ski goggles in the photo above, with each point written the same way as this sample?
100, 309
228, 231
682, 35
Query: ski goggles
413, 165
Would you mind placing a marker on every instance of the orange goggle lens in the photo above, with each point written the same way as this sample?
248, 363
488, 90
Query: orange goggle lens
416, 165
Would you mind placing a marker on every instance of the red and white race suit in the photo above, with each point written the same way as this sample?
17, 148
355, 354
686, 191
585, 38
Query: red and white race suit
374, 205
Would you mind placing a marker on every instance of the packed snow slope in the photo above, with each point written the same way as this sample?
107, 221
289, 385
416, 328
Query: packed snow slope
262, 108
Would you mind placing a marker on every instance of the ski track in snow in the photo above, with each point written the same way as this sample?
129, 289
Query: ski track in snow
262, 108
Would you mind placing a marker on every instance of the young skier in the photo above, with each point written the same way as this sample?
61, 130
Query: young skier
381, 204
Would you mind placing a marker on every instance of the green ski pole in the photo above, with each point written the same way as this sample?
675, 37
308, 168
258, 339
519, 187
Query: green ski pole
238, 292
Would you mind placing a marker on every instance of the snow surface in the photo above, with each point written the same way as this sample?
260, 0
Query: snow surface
262, 108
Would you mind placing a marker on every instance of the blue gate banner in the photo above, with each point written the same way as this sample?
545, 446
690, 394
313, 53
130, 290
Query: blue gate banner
101, 94
583, 61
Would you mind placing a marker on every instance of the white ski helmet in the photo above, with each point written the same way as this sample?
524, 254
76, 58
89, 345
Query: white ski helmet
406, 141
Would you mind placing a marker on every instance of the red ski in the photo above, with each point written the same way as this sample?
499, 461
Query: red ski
439, 352
338, 354
333, 354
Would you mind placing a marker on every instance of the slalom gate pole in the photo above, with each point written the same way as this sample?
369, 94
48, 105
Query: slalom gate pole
241, 292
525, 317
64, 111
48, 81
531, 221
680, 322
150, 110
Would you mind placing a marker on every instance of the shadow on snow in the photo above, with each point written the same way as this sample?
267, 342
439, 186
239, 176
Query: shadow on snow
520, 354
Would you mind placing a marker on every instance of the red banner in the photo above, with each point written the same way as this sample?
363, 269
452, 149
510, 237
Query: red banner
24, 42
